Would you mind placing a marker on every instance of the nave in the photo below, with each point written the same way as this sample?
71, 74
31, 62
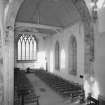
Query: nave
47, 94
65, 36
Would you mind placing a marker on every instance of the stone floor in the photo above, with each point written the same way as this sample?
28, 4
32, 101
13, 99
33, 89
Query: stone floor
47, 95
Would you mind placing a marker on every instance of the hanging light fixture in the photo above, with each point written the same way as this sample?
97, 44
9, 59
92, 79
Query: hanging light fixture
96, 5
94, 9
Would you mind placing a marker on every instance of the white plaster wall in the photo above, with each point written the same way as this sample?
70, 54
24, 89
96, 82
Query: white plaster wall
24, 66
63, 38
48, 46
34, 64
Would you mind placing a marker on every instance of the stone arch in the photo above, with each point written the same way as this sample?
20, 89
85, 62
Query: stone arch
9, 21
88, 28
57, 56
88, 35
88, 31
27, 38
72, 55
12, 12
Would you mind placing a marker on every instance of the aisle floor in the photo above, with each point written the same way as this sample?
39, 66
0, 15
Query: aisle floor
47, 95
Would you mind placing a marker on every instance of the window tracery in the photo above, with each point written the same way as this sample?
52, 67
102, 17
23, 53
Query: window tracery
27, 47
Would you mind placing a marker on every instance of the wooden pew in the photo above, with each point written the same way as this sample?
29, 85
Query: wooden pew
29, 99
92, 101
60, 85
24, 90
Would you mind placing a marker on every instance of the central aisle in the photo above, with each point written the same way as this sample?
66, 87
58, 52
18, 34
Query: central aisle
47, 95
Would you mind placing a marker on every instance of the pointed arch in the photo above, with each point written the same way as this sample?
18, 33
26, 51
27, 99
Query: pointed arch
27, 47
57, 56
81, 7
72, 55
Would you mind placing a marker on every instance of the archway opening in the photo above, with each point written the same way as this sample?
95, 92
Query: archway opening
73, 55
57, 56
85, 18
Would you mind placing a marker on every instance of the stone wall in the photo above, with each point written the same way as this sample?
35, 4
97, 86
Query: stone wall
32, 64
2, 87
63, 37
99, 66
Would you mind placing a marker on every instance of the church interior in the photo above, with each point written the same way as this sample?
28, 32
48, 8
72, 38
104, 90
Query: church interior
52, 52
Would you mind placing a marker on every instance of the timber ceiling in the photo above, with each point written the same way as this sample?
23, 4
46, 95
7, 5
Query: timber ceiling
56, 13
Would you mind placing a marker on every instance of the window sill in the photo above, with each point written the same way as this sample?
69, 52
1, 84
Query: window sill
26, 61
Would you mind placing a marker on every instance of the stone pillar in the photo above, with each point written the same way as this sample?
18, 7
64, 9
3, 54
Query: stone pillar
15, 49
6, 60
2, 72
9, 61
89, 48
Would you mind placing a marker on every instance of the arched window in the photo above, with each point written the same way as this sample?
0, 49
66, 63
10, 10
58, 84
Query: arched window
73, 55
57, 63
19, 49
27, 47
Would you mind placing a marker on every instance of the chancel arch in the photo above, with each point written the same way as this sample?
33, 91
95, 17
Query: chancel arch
72, 66
82, 9
57, 56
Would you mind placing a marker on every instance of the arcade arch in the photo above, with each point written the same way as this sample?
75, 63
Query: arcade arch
88, 35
